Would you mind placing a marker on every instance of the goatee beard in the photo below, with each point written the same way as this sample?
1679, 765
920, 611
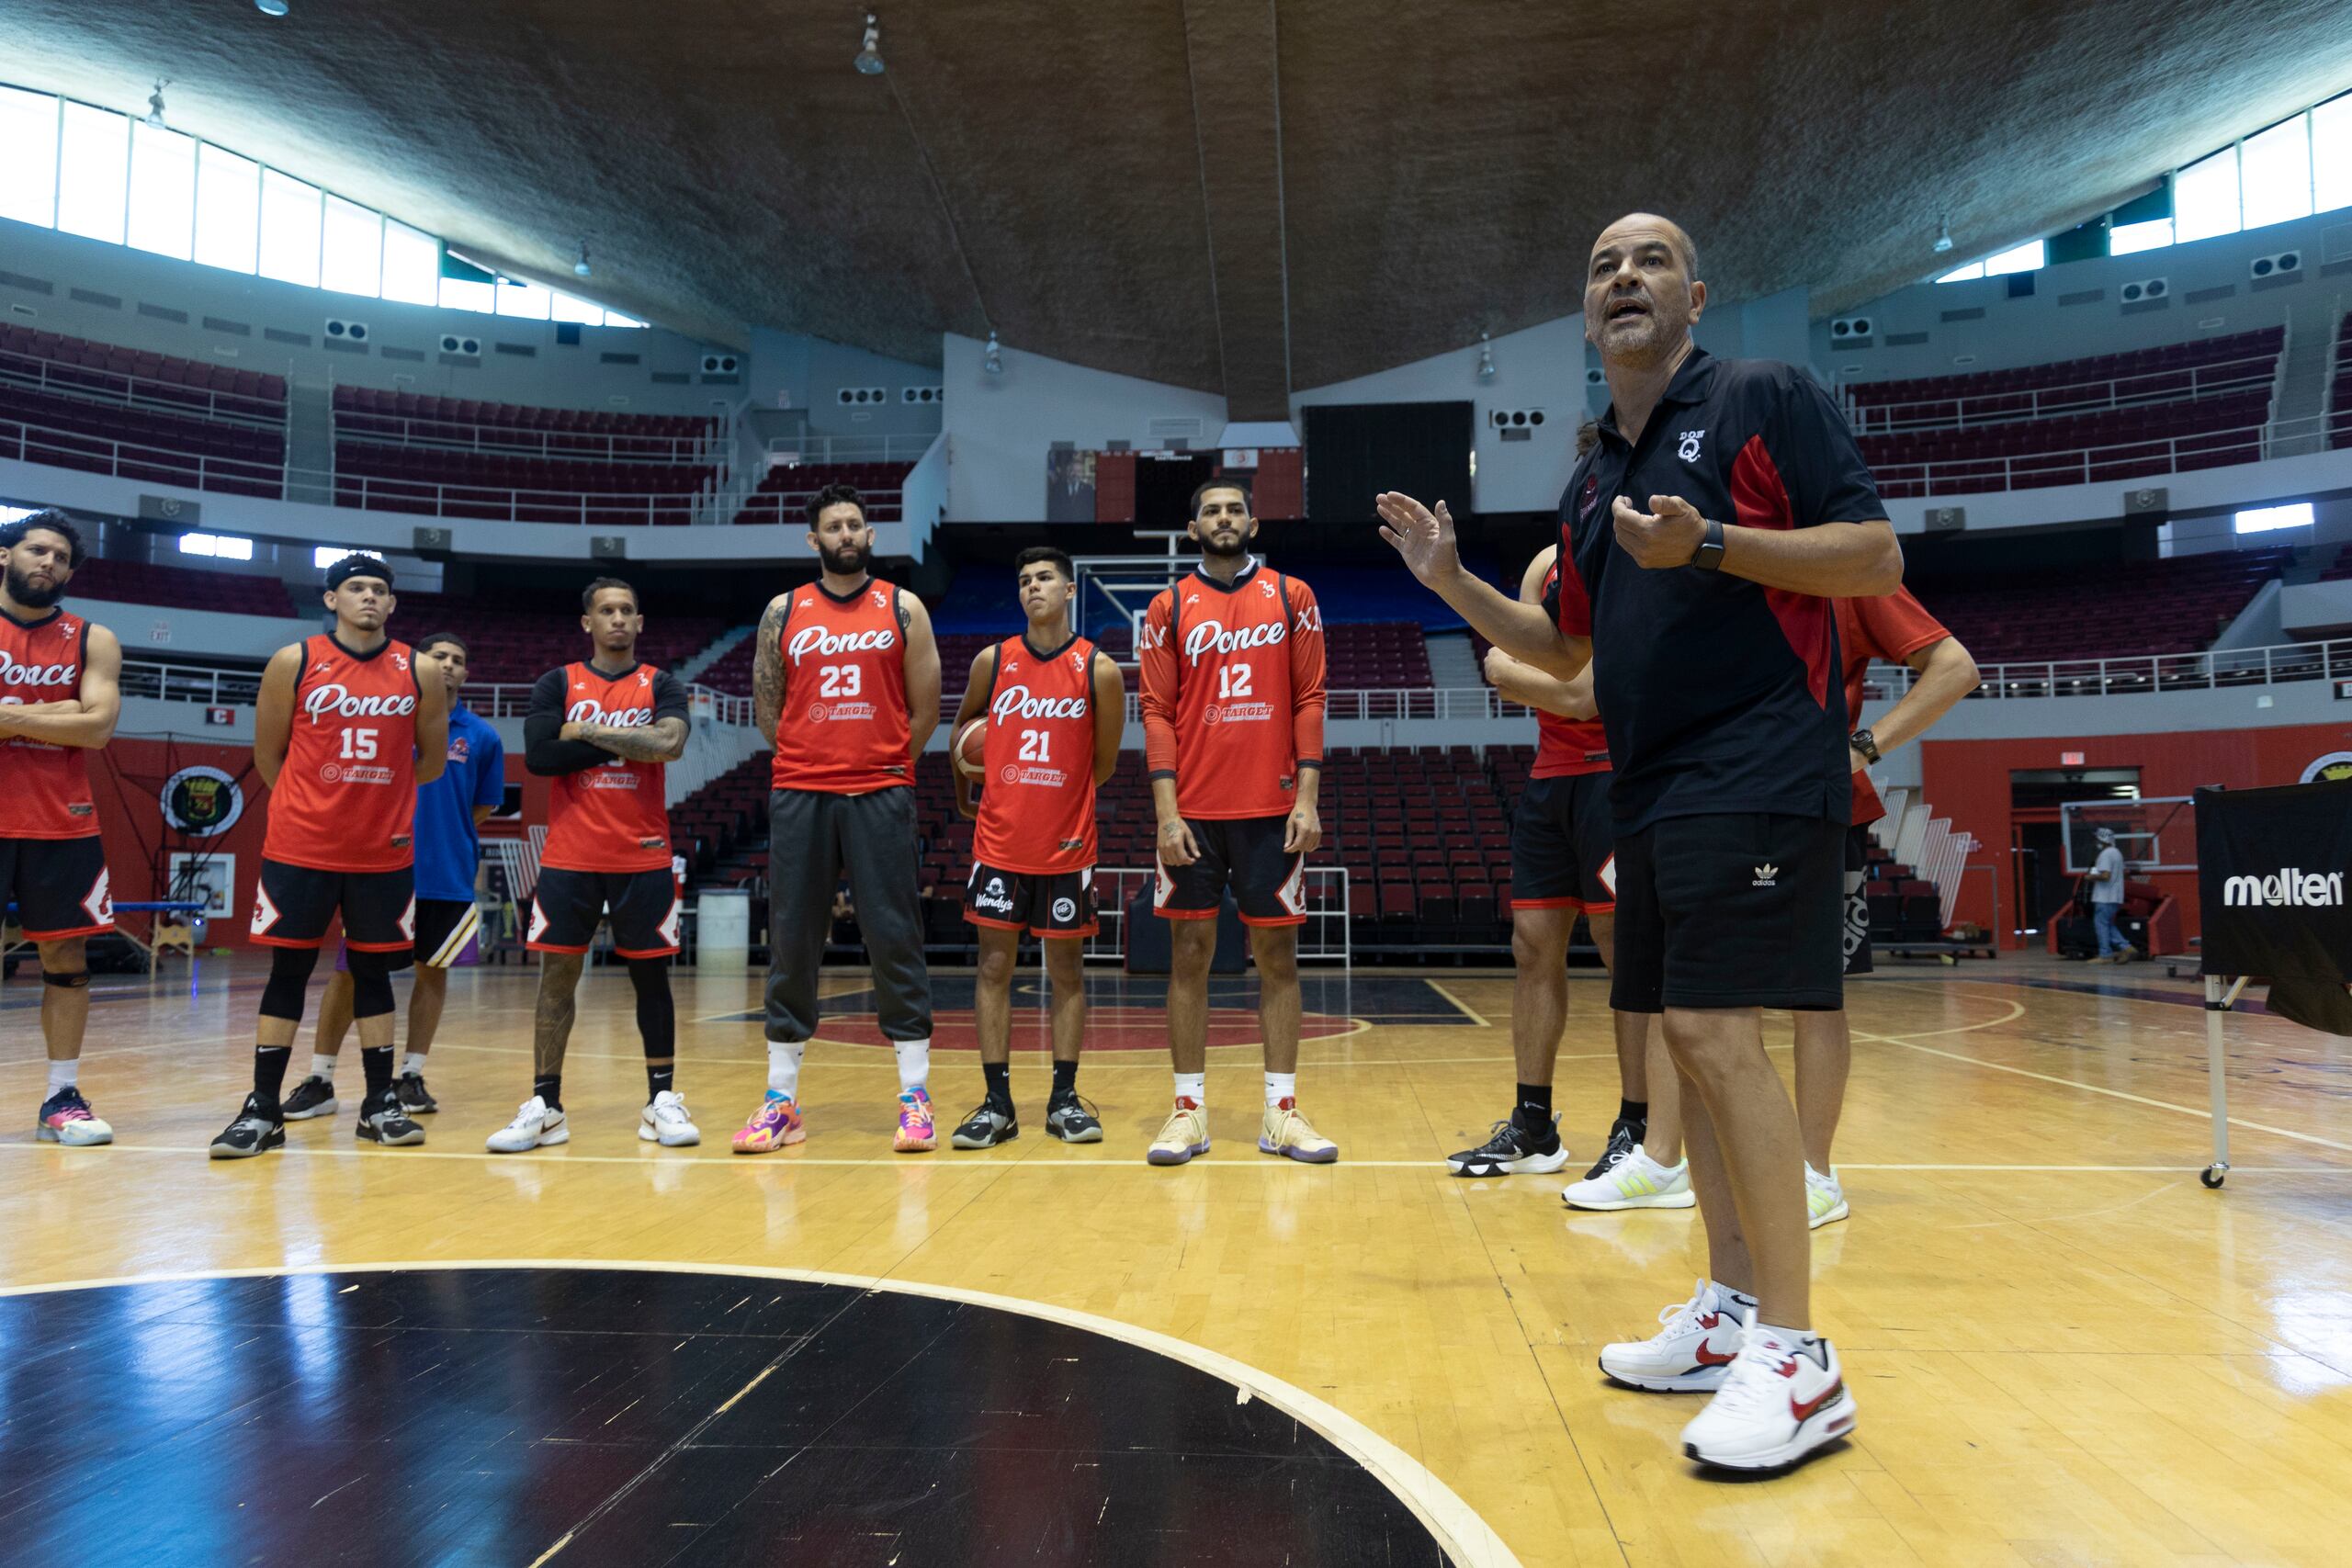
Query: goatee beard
847, 561
1210, 546
21, 590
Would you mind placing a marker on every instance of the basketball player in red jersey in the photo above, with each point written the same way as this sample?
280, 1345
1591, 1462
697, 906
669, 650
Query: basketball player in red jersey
1055, 707
1232, 671
846, 679
605, 731
343, 734
59, 695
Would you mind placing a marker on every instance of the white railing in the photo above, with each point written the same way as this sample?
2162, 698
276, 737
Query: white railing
239, 688
789, 449
515, 441
505, 699
1325, 936
138, 460
93, 385
1974, 409
2146, 672
2148, 459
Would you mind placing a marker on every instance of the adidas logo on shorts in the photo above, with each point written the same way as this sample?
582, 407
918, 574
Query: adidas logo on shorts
1767, 876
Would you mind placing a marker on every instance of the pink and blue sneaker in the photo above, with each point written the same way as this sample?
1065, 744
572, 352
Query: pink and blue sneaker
776, 1123
917, 1134
66, 1118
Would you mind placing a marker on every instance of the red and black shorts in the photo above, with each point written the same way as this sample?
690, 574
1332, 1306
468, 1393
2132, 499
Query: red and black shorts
644, 906
295, 904
60, 887
1046, 904
1247, 854
1563, 845
449, 936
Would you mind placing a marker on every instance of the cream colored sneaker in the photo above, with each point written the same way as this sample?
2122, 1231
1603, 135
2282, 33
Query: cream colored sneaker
1186, 1135
1287, 1132
1824, 1198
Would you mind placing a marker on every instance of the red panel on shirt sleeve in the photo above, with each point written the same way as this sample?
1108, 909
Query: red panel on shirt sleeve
1760, 499
1570, 604
1306, 671
1156, 670
1896, 626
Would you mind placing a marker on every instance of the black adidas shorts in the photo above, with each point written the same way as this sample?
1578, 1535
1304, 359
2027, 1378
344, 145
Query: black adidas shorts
60, 887
1563, 845
1052, 905
1857, 908
1739, 909
644, 905
1247, 852
295, 904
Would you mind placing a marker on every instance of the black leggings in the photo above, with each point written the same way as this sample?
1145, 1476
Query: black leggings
371, 983
657, 1014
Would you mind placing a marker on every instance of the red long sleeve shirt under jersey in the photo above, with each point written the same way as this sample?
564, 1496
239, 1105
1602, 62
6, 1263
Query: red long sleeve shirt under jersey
1232, 677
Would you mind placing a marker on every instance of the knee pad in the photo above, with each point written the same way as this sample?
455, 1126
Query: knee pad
73, 982
371, 984
289, 971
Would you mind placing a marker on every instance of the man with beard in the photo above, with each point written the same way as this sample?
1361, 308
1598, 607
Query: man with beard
1713, 640
59, 695
1232, 663
846, 679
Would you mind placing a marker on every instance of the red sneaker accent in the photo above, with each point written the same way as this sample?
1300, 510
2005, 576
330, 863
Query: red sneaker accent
1803, 1409
1709, 1358
1286, 1103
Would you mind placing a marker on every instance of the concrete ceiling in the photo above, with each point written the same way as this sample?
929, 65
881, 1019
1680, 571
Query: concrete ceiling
1241, 195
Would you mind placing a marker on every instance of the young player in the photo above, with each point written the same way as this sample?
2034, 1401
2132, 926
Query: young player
1055, 707
449, 813
604, 730
58, 696
1232, 675
343, 734
846, 679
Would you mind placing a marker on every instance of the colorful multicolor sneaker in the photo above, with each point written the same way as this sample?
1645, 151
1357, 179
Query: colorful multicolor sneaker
1286, 1133
1186, 1134
776, 1123
917, 1135
66, 1118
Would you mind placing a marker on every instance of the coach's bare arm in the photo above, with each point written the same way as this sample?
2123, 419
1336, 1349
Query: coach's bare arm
87, 721
1425, 538
922, 675
1834, 560
274, 712
767, 668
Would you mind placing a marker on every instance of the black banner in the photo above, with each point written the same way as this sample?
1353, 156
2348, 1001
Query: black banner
2271, 869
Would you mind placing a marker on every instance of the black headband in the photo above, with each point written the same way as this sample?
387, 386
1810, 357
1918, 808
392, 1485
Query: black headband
357, 566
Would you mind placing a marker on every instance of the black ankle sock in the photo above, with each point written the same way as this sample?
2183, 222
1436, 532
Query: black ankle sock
999, 1081
550, 1088
1534, 1112
1065, 1080
269, 1074
375, 1063
658, 1078
1637, 1112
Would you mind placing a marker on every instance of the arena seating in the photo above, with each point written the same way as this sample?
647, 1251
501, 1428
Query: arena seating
783, 493
138, 582
73, 403
516, 646
373, 414
2339, 396
2140, 607
455, 482
2174, 373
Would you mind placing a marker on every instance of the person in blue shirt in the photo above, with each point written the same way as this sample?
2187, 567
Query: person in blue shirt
449, 813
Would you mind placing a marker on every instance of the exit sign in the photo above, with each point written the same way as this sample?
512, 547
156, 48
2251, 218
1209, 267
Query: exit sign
2069, 759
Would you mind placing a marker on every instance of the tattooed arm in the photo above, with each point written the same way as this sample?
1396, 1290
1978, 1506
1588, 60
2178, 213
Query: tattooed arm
663, 741
767, 668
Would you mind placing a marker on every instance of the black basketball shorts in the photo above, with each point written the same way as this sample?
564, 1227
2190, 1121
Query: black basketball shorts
1858, 908
295, 904
1563, 845
1051, 904
645, 906
1738, 910
60, 887
1247, 854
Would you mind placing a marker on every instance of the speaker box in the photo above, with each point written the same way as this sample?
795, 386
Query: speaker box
608, 546
431, 542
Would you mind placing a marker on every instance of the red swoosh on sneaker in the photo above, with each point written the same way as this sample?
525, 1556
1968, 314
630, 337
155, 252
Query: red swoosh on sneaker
1802, 1409
1707, 1358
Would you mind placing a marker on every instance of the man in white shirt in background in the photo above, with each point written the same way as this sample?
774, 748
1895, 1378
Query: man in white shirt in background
2106, 901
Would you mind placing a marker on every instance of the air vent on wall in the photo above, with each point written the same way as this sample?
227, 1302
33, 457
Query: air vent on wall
1905, 340
1594, 375
340, 330
163, 313
275, 334
31, 285
616, 359
222, 324
862, 396
2207, 296
719, 364
1845, 329
2277, 264
1512, 419
2144, 288
91, 297
452, 343
919, 394
412, 354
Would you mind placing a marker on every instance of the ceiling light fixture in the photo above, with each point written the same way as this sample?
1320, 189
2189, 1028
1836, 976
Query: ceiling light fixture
869, 58
579, 267
154, 119
1943, 237
1486, 357
992, 360
270, 7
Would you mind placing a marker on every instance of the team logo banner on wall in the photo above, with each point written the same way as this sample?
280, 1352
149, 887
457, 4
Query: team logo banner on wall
2271, 869
201, 802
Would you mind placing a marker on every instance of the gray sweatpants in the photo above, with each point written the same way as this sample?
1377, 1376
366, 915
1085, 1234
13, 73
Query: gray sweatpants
813, 835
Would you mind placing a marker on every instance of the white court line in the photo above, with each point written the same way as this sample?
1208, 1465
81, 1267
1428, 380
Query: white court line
1467, 1540
1468, 1011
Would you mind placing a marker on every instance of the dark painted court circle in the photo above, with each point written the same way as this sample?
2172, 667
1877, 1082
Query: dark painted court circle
481, 1415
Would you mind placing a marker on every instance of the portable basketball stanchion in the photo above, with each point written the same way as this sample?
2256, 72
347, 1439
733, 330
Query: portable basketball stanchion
2219, 1001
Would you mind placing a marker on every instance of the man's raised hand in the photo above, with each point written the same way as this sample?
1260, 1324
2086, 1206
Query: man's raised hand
1423, 537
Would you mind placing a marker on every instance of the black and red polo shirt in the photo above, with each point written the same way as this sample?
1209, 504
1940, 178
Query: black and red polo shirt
1718, 694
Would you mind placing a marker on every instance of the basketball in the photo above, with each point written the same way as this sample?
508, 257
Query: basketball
971, 748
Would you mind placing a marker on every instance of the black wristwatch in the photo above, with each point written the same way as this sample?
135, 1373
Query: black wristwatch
1710, 553
1862, 741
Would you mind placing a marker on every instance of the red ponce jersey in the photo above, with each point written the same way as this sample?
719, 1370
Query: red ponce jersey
844, 727
1232, 679
1037, 775
44, 787
1565, 747
611, 816
346, 797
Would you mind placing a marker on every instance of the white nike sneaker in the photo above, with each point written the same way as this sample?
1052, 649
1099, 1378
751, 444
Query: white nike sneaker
1778, 1403
665, 1121
1824, 1198
1689, 1354
536, 1124
1631, 1181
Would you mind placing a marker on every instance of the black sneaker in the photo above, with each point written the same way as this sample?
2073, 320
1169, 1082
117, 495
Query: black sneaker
415, 1099
1074, 1121
1513, 1151
381, 1121
253, 1132
314, 1096
1623, 1136
986, 1127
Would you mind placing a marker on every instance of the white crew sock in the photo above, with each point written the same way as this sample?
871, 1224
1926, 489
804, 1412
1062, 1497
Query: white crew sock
1729, 1297
61, 1075
914, 1062
1795, 1339
1280, 1086
323, 1066
1193, 1087
414, 1063
783, 1067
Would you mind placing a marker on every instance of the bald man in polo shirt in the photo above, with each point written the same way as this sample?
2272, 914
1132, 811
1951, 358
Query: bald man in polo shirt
1701, 543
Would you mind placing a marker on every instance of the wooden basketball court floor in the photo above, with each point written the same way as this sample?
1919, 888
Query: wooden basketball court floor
2065, 1349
